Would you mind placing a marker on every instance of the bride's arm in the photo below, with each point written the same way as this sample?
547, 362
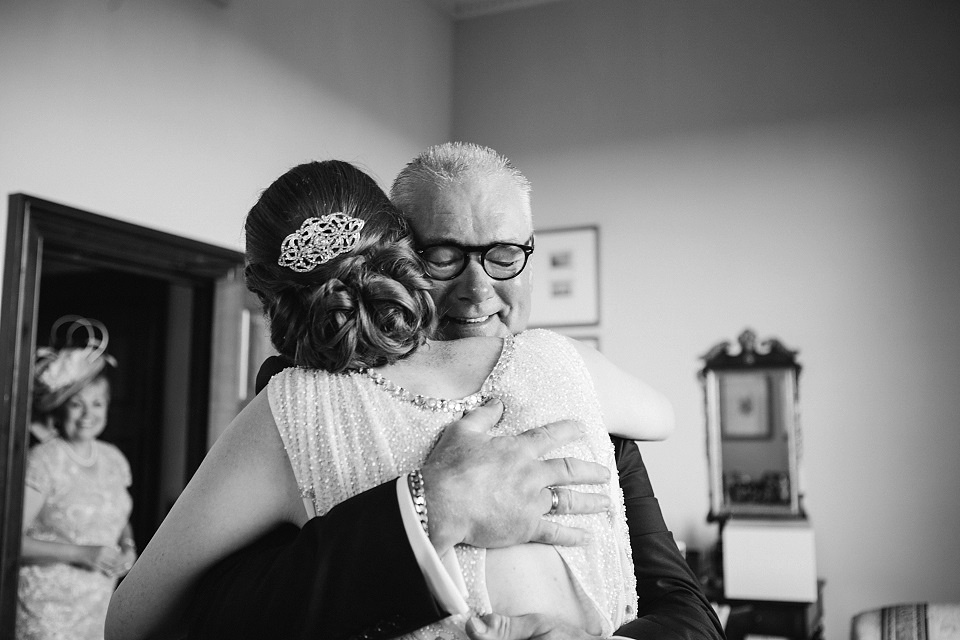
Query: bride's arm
244, 487
632, 409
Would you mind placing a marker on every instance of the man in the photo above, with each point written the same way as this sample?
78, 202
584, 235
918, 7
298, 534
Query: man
356, 571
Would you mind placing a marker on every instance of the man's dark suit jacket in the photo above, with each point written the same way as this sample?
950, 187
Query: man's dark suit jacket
351, 573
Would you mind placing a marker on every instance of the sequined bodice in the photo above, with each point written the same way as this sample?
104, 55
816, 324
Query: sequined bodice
347, 433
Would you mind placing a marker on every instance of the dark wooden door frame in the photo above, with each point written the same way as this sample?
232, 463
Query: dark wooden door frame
37, 227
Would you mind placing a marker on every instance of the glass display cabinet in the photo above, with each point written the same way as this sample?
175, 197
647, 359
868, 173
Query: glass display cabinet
763, 568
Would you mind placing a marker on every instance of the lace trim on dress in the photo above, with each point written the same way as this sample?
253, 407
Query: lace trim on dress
459, 405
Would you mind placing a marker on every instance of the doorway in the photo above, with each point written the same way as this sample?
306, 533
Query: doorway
173, 307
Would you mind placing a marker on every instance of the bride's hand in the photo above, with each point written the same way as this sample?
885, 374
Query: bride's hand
532, 626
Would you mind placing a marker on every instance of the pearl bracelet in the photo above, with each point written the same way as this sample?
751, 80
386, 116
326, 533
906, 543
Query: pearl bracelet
415, 484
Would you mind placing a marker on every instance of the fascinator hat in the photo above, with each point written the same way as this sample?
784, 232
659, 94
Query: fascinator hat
60, 373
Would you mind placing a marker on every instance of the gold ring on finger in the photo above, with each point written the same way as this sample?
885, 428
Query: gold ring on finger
554, 500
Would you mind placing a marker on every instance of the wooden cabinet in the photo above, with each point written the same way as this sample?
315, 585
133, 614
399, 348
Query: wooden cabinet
793, 620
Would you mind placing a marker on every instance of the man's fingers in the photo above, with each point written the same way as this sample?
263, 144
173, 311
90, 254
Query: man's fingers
549, 532
483, 418
564, 471
543, 440
570, 501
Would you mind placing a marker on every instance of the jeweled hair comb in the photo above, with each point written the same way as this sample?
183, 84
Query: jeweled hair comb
319, 240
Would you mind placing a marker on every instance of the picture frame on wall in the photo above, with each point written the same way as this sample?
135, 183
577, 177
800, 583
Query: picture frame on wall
565, 270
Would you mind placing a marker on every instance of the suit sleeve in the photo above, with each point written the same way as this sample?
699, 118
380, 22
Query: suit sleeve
347, 574
671, 603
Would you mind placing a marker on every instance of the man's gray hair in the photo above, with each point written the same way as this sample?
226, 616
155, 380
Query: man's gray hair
451, 162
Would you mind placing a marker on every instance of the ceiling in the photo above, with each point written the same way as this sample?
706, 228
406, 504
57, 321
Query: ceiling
463, 9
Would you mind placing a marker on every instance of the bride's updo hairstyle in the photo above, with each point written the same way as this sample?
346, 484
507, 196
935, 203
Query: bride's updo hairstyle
368, 305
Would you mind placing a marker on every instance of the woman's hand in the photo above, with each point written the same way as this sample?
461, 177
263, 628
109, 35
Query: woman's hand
107, 560
534, 626
127, 557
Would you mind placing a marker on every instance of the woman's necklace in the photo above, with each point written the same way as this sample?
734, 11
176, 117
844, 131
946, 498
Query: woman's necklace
83, 461
467, 403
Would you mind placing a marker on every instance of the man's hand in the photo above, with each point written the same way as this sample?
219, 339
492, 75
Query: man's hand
533, 626
492, 492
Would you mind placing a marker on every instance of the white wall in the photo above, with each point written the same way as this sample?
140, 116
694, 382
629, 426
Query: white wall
792, 167
174, 114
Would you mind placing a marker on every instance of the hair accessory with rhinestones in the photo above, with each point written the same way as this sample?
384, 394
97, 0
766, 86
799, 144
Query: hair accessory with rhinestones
319, 240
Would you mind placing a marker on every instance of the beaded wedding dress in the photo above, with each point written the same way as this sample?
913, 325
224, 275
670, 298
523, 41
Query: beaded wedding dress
346, 433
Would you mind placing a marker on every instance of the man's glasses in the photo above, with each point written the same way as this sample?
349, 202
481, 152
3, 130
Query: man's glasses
500, 260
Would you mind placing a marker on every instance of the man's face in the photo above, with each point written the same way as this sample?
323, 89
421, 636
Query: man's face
471, 212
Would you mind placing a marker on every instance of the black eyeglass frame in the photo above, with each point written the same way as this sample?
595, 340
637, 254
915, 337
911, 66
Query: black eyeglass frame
482, 250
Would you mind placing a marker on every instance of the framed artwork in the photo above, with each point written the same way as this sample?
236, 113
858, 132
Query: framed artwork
745, 405
566, 282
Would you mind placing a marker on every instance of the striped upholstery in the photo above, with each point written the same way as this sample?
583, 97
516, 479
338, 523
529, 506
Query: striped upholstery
920, 621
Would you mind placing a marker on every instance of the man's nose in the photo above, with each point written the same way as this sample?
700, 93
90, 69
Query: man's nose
474, 284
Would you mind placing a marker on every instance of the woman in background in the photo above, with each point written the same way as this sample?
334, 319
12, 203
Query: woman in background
77, 539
